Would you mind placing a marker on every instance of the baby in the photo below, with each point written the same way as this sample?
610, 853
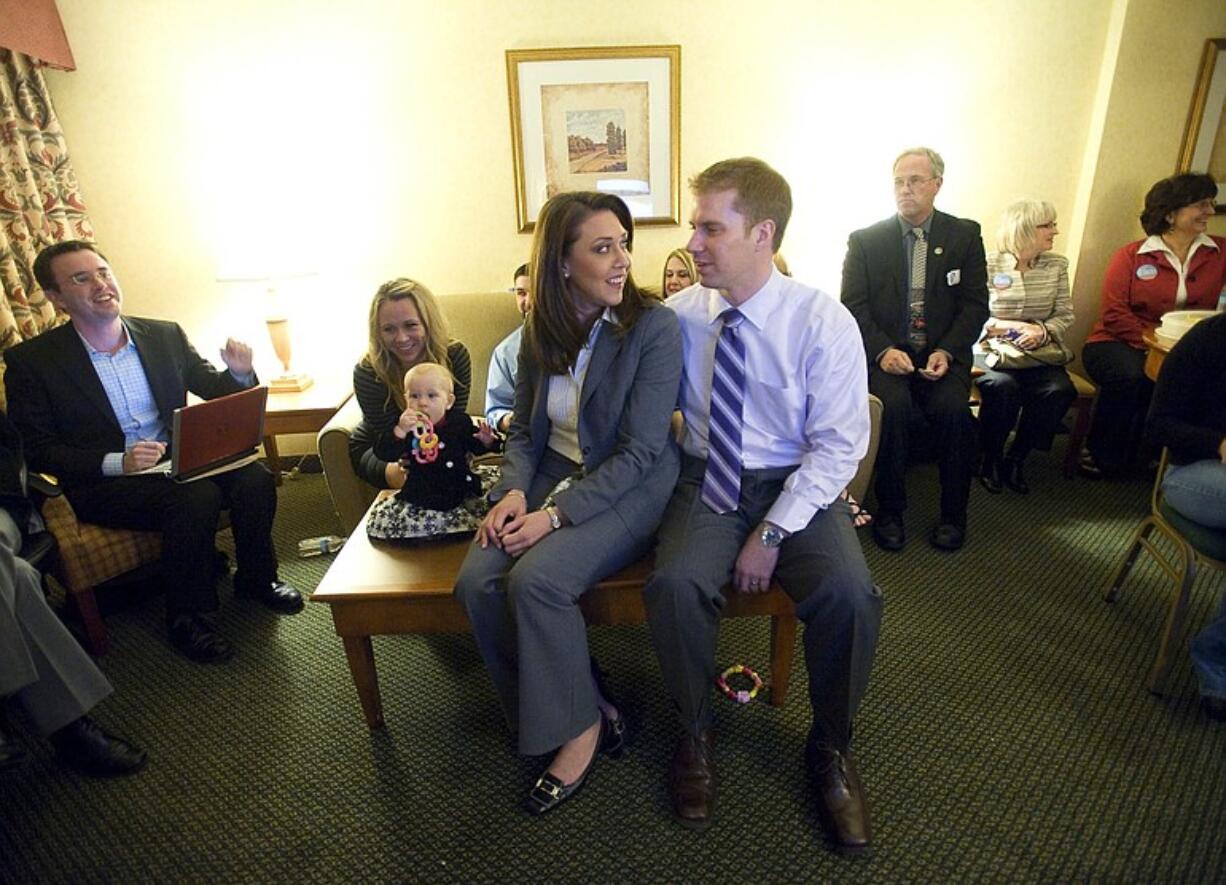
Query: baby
437, 459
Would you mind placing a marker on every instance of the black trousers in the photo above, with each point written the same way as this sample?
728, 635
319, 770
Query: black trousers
1123, 401
186, 514
1034, 399
944, 405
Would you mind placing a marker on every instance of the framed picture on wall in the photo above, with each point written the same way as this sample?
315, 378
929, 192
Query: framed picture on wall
1204, 139
602, 119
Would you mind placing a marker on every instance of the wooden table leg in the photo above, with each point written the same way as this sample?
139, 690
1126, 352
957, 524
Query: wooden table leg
783, 644
274, 457
362, 668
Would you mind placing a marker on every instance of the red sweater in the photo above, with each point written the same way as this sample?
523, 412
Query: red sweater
1133, 305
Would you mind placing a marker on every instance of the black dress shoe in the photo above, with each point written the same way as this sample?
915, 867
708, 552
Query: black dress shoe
278, 596
691, 781
840, 798
1213, 708
11, 753
888, 531
947, 536
83, 746
548, 792
989, 475
196, 638
1011, 474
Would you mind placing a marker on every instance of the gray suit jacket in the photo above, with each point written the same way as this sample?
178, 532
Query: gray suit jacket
630, 460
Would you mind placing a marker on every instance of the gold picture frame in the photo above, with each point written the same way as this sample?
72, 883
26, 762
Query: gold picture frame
1204, 138
604, 118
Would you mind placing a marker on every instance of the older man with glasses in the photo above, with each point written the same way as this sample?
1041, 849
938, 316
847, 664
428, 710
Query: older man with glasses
917, 285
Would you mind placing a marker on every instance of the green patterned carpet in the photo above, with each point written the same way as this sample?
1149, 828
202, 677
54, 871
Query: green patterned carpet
1006, 736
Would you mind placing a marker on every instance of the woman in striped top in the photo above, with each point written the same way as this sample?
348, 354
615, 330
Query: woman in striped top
1029, 302
407, 327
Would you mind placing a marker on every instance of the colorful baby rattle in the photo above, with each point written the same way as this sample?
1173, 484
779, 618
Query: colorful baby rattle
741, 696
425, 441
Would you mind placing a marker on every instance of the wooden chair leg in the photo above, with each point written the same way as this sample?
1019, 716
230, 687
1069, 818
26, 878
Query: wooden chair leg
91, 619
1077, 439
1172, 629
783, 644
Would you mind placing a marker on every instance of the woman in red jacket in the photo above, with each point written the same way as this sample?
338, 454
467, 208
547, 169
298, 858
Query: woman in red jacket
1178, 267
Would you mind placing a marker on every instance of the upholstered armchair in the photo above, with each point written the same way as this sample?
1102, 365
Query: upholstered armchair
90, 555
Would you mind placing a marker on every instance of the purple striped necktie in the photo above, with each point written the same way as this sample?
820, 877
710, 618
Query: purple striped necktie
721, 487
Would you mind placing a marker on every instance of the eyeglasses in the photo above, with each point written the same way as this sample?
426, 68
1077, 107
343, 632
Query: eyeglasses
1050, 224
85, 277
912, 182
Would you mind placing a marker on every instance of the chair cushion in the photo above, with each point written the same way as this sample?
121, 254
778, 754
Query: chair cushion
1204, 540
91, 554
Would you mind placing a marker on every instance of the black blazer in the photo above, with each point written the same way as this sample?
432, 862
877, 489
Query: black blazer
875, 288
60, 406
630, 460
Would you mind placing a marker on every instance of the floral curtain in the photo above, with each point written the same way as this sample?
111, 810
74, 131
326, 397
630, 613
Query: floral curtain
40, 200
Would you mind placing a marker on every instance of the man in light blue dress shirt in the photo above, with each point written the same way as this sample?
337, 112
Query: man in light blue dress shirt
94, 401
804, 428
500, 389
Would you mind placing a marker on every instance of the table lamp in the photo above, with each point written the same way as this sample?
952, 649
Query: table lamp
276, 317
278, 330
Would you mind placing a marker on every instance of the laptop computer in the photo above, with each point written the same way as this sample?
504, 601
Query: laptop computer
215, 435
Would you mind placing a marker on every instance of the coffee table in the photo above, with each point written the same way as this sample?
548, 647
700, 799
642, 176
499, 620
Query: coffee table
377, 589
305, 411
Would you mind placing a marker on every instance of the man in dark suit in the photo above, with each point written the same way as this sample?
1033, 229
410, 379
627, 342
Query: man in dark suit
917, 285
42, 668
94, 401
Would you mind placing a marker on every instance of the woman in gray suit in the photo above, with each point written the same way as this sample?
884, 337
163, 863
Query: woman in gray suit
599, 372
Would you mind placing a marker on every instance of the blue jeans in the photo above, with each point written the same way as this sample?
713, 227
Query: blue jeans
1209, 656
1198, 491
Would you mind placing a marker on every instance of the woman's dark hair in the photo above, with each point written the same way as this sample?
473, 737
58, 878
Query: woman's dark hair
1172, 194
553, 332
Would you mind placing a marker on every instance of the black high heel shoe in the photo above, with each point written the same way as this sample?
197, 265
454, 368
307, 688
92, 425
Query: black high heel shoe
615, 738
548, 792
1011, 475
989, 475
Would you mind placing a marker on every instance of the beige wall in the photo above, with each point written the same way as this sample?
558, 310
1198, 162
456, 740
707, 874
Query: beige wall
1146, 111
372, 137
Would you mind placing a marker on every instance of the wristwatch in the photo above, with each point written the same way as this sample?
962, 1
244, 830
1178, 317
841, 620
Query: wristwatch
555, 520
772, 536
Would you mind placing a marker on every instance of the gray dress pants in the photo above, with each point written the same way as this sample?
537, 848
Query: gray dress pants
527, 622
821, 567
41, 664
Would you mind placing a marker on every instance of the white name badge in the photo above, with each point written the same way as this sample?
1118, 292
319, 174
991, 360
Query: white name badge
1002, 281
953, 277
1146, 272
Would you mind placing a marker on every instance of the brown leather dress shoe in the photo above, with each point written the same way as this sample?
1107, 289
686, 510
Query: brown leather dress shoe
840, 798
691, 781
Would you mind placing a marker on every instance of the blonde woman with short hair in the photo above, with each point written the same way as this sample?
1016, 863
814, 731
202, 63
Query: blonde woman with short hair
1029, 303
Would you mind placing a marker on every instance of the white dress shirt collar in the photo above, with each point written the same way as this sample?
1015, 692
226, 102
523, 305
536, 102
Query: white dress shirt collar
756, 308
